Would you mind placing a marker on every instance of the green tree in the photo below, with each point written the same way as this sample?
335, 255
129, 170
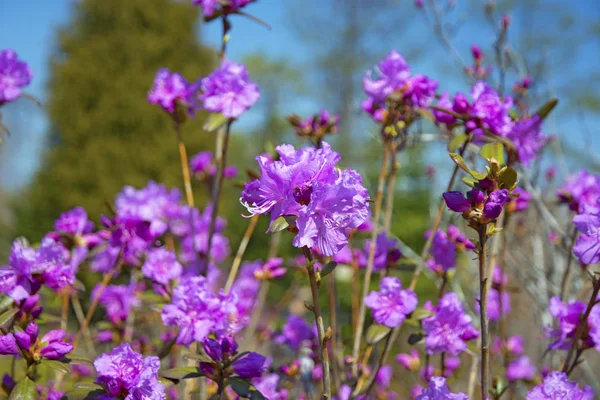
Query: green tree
104, 133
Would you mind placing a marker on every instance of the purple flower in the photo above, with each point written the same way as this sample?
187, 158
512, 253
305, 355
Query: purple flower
14, 75
448, 328
393, 74
230, 171
568, 320
294, 332
411, 362
520, 203
557, 386
305, 183
580, 188
587, 247
271, 269
521, 368
443, 117
228, 90
58, 273
515, 345
443, 250
420, 90
171, 89
52, 345
450, 365
74, 222
209, 6
197, 311
151, 204
493, 304
267, 386
391, 304
456, 201
594, 324
161, 266
438, 390
124, 372
490, 111
387, 253
245, 289
528, 138
460, 240
118, 301
202, 164
249, 365
8, 345
494, 203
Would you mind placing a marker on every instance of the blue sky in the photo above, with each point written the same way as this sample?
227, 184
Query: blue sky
28, 26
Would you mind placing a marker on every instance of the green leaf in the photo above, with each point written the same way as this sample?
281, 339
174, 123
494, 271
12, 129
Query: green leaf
8, 315
166, 349
240, 386
507, 178
214, 122
377, 332
197, 357
84, 393
457, 141
25, 390
328, 268
57, 365
547, 108
458, 160
493, 150
428, 115
5, 303
421, 313
87, 385
152, 298
278, 225
477, 175
177, 374
467, 180
513, 114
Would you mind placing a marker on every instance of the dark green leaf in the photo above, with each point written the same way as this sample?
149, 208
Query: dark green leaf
457, 141
57, 365
278, 225
377, 332
493, 150
8, 315
328, 268
214, 122
177, 374
421, 313
547, 108
166, 349
240, 386
415, 338
507, 179
25, 390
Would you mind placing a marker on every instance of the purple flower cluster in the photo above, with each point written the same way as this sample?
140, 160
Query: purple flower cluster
209, 6
568, 316
127, 375
171, 90
394, 77
478, 71
445, 247
14, 75
50, 346
305, 184
29, 268
391, 304
489, 206
228, 90
557, 386
521, 203
118, 301
587, 247
438, 390
449, 328
197, 311
581, 188
203, 166
521, 368
528, 138
161, 266
318, 125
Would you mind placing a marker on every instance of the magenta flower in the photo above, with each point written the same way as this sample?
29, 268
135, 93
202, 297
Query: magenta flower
438, 390
393, 74
161, 266
228, 90
126, 374
202, 164
493, 304
14, 75
294, 332
51, 346
528, 138
412, 361
271, 269
456, 201
387, 253
305, 184
581, 188
8, 345
520, 203
448, 329
223, 352
587, 247
521, 368
514, 345
268, 387
118, 301
443, 117
568, 316
197, 311
171, 89
489, 111
391, 304
494, 203
557, 386
209, 6
460, 240
420, 90
74, 222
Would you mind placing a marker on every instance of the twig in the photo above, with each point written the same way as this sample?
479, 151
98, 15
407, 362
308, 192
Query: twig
240, 253
80, 318
564, 283
391, 190
485, 363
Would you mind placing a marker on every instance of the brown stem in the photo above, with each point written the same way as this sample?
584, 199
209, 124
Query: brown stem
331, 289
442, 361
485, 364
316, 309
216, 194
64, 314
564, 283
355, 289
582, 327
391, 190
240, 253
367, 282
185, 166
